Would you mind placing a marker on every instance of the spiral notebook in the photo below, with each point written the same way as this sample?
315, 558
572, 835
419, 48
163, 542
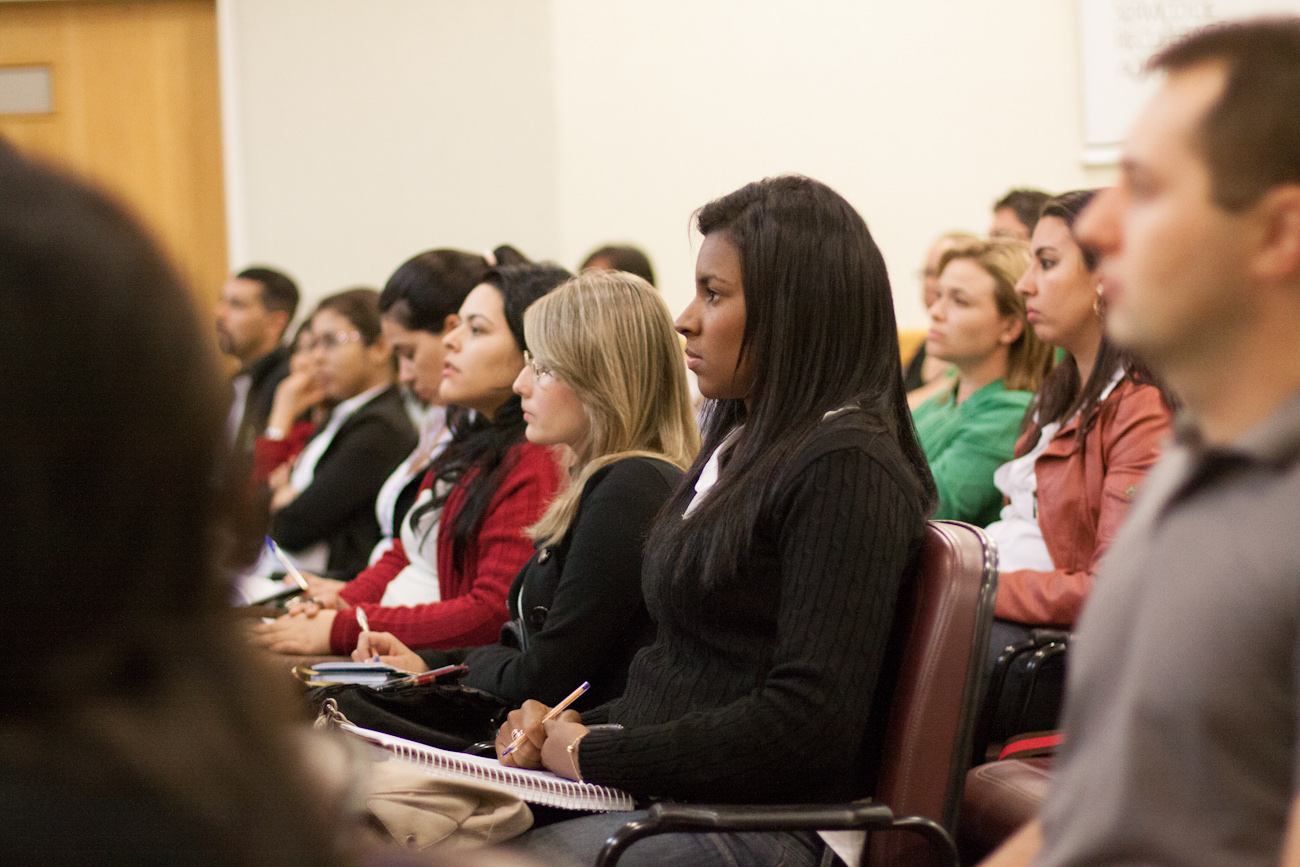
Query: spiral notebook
537, 787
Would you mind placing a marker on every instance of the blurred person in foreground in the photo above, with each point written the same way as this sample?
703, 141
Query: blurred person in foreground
1181, 715
133, 729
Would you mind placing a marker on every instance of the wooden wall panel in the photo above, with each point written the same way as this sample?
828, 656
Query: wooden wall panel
137, 109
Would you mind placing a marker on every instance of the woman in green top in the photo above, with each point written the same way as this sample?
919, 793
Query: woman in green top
978, 324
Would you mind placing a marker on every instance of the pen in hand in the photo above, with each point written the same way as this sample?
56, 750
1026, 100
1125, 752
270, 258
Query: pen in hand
364, 623
550, 715
288, 565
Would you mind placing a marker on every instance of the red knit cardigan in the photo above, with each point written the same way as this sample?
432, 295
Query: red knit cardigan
473, 605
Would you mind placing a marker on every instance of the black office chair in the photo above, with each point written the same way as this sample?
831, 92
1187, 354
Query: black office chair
949, 611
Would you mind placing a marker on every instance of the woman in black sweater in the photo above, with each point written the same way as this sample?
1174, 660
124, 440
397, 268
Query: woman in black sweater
607, 386
774, 571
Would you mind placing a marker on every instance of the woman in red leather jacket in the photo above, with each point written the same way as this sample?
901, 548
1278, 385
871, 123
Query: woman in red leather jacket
1094, 429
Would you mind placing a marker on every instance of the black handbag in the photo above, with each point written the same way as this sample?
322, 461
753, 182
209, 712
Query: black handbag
1025, 692
448, 716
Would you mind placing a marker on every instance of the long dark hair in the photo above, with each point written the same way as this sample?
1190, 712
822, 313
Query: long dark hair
1062, 395
819, 334
110, 455
478, 444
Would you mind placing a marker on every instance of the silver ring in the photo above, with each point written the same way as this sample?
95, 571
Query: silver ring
516, 734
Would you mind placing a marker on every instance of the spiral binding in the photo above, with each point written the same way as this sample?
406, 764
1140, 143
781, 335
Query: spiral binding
538, 787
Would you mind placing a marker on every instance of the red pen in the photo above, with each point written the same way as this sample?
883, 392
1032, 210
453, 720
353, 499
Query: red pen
447, 672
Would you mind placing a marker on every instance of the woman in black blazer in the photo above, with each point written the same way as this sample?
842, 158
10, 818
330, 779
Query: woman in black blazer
325, 512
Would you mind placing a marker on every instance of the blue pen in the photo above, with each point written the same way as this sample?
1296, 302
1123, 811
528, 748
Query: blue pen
292, 569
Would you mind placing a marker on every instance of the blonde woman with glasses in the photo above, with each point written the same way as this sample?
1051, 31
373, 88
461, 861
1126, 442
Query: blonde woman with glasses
604, 382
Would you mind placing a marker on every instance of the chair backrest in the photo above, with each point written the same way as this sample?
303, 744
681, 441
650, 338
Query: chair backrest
935, 703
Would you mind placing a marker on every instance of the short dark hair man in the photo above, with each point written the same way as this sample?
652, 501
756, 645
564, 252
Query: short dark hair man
1182, 720
1016, 214
255, 308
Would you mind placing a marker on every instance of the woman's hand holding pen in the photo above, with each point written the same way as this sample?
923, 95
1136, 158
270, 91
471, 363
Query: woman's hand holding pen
321, 593
390, 650
538, 750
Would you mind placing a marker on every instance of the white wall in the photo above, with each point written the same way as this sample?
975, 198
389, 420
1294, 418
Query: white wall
370, 129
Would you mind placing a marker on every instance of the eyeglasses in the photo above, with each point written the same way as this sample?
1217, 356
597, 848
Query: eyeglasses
542, 374
330, 341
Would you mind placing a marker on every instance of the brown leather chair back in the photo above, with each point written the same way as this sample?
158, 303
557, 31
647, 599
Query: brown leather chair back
932, 715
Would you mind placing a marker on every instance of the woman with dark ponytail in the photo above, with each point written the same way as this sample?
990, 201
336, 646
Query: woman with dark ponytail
418, 306
443, 584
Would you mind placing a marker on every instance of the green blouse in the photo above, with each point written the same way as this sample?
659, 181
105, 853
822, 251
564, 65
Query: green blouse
965, 444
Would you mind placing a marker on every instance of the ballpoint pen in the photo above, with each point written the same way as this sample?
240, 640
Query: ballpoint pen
426, 677
288, 565
364, 623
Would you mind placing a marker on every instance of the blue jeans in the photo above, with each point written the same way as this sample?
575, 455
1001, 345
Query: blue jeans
577, 841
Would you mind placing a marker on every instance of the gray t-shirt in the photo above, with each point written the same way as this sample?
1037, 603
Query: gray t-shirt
1181, 715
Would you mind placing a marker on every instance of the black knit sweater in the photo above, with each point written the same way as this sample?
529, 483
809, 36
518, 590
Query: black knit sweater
760, 690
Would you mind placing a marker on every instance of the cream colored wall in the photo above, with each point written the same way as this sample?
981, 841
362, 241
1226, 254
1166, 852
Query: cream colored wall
921, 113
366, 130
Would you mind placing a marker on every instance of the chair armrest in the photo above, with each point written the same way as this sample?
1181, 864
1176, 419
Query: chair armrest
779, 817
666, 818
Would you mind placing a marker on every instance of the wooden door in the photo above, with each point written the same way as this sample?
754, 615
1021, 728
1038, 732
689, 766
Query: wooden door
136, 108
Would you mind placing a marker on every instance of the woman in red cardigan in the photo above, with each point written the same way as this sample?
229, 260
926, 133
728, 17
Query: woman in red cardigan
444, 582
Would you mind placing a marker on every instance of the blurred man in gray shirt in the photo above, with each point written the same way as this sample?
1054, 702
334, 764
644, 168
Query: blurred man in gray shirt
1182, 721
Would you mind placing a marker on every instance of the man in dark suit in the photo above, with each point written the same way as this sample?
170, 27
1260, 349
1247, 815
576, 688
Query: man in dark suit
256, 307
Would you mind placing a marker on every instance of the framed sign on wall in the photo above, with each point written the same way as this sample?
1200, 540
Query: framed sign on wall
1117, 37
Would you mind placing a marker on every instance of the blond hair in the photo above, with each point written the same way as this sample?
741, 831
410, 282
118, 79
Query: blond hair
1006, 260
609, 337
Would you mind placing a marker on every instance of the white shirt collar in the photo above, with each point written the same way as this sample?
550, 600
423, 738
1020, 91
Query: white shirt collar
709, 475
